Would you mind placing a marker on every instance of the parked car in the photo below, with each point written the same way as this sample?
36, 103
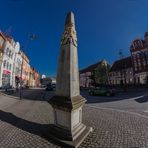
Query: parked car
102, 91
54, 85
49, 87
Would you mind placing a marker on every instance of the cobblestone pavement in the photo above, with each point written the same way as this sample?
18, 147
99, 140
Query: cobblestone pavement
23, 124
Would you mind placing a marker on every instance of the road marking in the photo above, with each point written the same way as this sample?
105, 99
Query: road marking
137, 97
144, 95
118, 110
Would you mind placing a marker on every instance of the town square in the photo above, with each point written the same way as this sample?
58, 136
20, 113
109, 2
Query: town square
73, 74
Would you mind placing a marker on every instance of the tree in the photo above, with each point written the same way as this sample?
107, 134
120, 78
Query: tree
101, 74
93, 78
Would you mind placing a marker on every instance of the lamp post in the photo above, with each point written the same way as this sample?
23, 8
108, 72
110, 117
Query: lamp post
123, 71
30, 37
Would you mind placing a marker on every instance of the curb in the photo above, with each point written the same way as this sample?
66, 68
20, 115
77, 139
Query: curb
10, 96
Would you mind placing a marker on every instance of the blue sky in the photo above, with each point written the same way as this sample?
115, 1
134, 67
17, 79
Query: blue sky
103, 28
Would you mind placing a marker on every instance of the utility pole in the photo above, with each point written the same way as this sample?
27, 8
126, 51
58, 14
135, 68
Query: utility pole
121, 73
30, 37
123, 70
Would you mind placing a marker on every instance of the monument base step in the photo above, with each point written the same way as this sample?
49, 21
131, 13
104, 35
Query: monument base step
71, 144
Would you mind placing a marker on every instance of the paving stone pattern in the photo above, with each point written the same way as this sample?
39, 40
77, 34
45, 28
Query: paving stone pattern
24, 124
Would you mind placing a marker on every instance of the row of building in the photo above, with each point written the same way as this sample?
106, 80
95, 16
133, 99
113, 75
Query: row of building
129, 70
15, 65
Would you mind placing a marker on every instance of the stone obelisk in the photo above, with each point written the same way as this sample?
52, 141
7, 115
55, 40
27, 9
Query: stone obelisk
67, 103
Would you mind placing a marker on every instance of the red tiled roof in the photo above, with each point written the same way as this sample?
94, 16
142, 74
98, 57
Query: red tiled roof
6, 37
91, 67
121, 64
2, 35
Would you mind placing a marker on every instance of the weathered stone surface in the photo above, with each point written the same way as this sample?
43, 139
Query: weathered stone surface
68, 74
67, 103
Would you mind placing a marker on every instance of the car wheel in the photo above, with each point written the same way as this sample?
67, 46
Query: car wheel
108, 94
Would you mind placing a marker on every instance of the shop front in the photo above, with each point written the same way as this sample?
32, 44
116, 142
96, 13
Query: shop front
6, 78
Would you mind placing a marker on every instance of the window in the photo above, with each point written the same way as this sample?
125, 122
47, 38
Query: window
6, 51
7, 65
146, 53
11, 55
4, 64
136, 68
144, 62
116, 73
135, 44
139, 43
10, 67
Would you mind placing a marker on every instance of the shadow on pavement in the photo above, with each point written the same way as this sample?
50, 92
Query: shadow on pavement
142, 99
42, 130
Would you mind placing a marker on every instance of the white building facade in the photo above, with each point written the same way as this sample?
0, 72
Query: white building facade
121, 72
139, 54
8, 66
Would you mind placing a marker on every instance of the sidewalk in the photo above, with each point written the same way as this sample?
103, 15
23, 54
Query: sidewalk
24, 124
38, 94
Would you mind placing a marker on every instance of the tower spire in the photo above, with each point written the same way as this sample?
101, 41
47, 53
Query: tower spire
69, 19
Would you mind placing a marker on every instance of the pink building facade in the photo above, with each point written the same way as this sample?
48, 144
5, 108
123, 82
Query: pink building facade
85, 80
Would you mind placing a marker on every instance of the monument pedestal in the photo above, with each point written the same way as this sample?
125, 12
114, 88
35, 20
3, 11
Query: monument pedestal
68, 128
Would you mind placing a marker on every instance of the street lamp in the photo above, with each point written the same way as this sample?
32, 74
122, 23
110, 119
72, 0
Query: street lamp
123, 70
30, 37
121, 56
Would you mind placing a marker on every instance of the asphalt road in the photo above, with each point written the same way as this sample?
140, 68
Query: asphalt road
132, 101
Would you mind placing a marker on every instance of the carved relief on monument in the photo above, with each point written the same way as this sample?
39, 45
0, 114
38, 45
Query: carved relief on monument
69, 35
